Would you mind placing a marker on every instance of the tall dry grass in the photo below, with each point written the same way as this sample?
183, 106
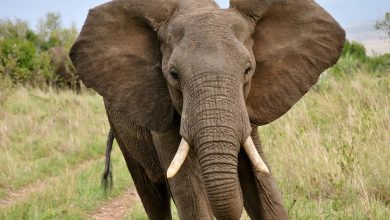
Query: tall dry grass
331, 152
42, 132
52, 145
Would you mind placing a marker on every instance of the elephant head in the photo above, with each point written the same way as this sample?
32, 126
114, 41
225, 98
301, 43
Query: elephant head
220, 70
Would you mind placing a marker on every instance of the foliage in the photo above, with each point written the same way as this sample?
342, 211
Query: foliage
355, 50
384, 24
23, 51
22, 63
51, 32
354, 58
379, 63
13, 29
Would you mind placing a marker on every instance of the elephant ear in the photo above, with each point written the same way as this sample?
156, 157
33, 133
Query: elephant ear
294, 42
118, 54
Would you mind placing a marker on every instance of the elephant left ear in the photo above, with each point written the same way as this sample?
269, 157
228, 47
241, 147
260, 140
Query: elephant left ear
294, 42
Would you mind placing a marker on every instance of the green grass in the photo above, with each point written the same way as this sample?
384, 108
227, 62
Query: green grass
52, 144
71, 196
43, 133
329, 154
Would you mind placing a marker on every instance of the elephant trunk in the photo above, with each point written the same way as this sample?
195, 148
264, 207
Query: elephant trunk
218, 159
214, 123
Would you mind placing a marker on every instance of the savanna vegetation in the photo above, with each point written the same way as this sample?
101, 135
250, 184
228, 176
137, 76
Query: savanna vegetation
25, 56
384, 24
330, 154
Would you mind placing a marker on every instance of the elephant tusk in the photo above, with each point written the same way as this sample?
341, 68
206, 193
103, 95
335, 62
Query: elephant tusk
179, 158
254, 156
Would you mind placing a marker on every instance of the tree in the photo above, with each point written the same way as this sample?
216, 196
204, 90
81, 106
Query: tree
49, 26
51, 32
384, 25
13, 29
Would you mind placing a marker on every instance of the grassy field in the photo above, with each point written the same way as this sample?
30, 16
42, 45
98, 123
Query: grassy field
330, 154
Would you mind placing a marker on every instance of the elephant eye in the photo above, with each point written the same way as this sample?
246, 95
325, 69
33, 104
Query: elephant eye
174, 73
248, 70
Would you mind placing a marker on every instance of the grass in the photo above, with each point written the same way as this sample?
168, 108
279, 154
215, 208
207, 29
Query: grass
52, 144
329, 154
43, 133
73, 195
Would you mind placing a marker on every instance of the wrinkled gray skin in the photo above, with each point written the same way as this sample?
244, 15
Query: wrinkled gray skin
65, 74
187, 69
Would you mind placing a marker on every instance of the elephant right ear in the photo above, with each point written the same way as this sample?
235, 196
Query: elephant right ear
118, 54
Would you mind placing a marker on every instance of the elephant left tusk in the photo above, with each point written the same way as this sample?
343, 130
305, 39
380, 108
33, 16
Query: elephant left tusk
254, 156
179, 158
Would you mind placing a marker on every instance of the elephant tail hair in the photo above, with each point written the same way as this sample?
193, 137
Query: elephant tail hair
107, 180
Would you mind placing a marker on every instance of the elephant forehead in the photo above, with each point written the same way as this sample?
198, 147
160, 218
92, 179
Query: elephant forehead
201, 23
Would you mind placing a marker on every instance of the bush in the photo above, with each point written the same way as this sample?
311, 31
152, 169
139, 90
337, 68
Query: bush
23, 64
24, 53
354, 57
17, 59
21, 50
379, 63
355, 50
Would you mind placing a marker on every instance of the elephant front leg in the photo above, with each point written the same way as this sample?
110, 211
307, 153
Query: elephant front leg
186, 186
154, 196
262, 198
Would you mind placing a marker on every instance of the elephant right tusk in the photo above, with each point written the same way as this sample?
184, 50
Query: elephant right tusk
179, 158
254, 156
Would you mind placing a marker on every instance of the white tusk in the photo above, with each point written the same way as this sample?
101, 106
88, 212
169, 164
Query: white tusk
254, 156
179, 158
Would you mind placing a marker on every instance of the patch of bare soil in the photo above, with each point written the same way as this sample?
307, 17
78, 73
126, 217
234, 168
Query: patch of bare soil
116, 208
18, 195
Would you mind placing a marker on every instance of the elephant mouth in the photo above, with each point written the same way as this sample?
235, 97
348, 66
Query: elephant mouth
184, 148
220, 178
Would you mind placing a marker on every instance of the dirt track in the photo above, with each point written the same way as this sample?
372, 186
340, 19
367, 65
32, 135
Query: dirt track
15, 196
117, 208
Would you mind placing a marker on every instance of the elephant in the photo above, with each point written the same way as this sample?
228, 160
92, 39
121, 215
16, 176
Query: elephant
65, 73
185, 86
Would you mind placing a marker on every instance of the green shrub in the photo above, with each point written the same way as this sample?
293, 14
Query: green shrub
379, 63
17, 59
21, 50
23, 56
355, 50
24, 64
354, 57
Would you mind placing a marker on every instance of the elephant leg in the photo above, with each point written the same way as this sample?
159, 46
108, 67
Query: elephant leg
154, 196
141, 158
186, 186
262, 199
